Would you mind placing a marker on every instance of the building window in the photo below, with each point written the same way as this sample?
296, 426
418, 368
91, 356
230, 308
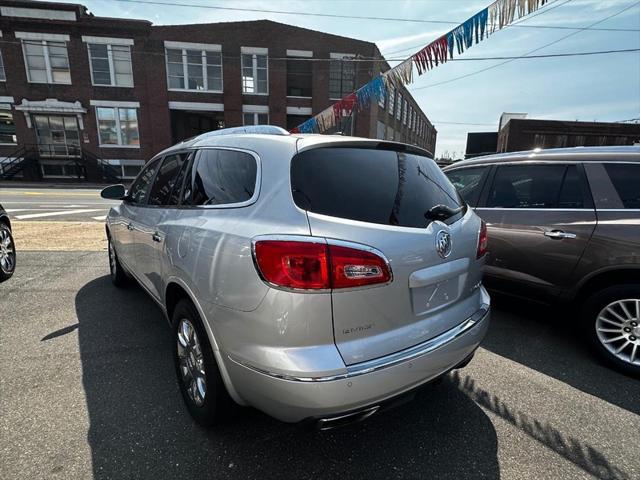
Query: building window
392, 99
7, 127
199, 70
3, 77
342, 75
118, 126
110, 65
255, 118
399, 107
254, 73
299, 77
380, 130
405, 110
46, 61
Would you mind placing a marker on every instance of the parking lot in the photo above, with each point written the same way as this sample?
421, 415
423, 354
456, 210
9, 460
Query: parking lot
89, 391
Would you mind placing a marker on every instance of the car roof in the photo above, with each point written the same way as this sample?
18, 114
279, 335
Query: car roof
629, 153
234, 137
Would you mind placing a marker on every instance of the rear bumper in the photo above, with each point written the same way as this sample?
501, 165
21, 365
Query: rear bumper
292, 399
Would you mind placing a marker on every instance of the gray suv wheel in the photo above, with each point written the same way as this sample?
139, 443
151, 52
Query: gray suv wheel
612, 318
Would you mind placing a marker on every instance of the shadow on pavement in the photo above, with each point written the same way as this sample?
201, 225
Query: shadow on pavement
547, 340
140, 429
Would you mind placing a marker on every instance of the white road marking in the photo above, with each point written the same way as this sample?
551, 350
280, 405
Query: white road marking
103, 217
13, 210
54, 214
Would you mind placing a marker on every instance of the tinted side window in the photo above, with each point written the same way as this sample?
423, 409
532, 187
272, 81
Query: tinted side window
526, 186
626, 180
370, 185
174, 196
223, 177
166, 178
571, 193
469, 182
138, 192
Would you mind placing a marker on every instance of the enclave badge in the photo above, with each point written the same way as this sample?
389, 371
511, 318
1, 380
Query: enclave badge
443, 243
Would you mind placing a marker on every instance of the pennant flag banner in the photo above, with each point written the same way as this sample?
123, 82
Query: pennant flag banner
496, 16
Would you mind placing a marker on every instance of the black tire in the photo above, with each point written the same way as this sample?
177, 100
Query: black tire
118, 275
590, 312
217, 406
8, 255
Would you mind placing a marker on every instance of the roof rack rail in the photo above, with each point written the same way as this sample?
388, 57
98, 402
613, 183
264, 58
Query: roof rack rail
247, 129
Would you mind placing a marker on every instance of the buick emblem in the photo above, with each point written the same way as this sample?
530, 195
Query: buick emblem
443, 243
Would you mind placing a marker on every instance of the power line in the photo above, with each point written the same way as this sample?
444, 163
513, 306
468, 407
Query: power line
438, 122
351, 17
526, 55
372, 59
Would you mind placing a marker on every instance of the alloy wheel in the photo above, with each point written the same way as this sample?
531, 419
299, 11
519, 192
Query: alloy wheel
618, 329
191, 362
7, 251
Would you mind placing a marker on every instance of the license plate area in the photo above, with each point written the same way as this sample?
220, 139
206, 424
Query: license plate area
431, 297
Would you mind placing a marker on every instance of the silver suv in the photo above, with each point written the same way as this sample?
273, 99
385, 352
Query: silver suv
312, 277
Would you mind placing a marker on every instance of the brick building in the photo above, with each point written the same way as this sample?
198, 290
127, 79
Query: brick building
93, 97
527, 134
518, 133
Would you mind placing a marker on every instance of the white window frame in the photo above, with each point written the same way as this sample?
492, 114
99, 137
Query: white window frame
203, 48
254, 52
116, 106
255, 110
391, 103
399, 101
343, 57
7, 107
110, 43
47, 60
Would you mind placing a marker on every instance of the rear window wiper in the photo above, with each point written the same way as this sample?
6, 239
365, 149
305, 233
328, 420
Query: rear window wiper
441, 212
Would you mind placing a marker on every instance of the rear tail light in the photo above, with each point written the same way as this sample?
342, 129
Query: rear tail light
318, 266
482, 240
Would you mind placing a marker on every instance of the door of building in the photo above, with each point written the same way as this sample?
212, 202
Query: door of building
58, 135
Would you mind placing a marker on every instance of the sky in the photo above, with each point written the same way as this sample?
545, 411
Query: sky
588, 88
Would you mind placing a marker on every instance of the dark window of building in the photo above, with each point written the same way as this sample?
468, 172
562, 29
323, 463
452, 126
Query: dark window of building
535, 186
295, 120
139, 190
376, 186
342, 77
223, 177
166, 178
7, 127
626, 180
299, 76
469, 182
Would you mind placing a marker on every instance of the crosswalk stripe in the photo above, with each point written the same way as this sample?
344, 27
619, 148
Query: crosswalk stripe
13, 210
103, 217
54, 214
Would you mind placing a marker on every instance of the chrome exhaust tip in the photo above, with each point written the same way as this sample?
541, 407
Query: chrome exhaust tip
346, 419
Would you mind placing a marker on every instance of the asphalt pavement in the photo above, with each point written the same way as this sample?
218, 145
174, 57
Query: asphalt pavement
57, 204
88, 390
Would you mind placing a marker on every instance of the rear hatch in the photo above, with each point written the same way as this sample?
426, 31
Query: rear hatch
377, 195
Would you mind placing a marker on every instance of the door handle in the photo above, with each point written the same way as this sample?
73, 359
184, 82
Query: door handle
156, 237
559, 234
129, 226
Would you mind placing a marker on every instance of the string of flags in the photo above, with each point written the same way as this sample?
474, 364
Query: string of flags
474, 30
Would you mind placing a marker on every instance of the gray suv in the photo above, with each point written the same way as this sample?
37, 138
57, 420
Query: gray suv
564, 226
312, 277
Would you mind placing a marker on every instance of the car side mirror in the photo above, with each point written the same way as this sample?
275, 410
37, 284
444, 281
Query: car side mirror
114, 192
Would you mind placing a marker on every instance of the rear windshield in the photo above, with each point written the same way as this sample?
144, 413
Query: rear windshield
370, 185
